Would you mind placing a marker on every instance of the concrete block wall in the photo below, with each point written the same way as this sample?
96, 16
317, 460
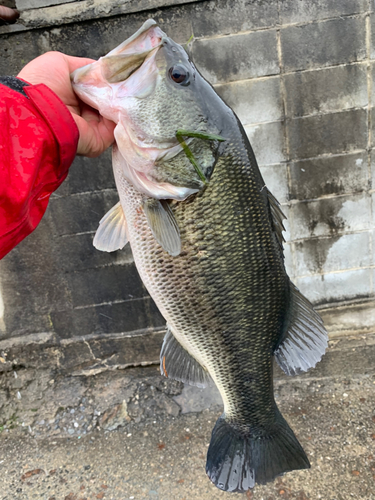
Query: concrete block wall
299, 75
301, 82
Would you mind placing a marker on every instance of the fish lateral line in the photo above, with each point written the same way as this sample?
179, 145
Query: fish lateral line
180, 134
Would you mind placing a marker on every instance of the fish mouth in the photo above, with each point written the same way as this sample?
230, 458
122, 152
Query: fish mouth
129, 73
119, 64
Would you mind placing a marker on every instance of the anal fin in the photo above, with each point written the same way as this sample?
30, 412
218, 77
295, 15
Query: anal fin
178, 364
306, 338
111, 233
163, 225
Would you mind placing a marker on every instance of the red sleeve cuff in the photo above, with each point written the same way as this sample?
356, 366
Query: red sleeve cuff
59, 120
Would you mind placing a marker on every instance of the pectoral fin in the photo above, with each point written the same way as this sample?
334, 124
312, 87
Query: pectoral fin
111, 233
305, 340
178, 364
163, 225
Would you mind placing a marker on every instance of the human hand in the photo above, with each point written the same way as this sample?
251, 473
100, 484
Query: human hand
54, 69
8, 15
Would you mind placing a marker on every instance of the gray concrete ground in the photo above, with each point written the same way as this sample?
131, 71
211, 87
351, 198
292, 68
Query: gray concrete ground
153, 445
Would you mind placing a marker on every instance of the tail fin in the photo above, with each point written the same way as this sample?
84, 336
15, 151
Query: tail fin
238, 457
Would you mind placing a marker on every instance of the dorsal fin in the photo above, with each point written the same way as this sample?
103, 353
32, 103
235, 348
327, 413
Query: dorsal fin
277, 216
178, 364
163, 225
306, 339
111, 233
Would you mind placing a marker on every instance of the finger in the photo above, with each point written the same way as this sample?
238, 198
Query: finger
94, 136
77, 62
88, 113
9, 15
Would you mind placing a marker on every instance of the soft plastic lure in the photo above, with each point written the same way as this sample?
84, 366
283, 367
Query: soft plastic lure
180, 134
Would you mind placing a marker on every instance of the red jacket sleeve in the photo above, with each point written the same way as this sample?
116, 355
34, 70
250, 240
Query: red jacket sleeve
38, 142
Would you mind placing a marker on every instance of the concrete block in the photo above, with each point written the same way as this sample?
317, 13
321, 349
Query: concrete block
105, 353
333, 253
323, 44
176, 23
128, 351
226, 17
9, 3
34, 292
79, 214
336, 287
268, 142
331, 216
23, 322
327, 90
329, 175
354, 318
15, 54
276, 179
24, 314
254, 101
31, 253
238, 57
327, 134
372, 180
300, 11
37, 4
32, 284
105, 284
372, 23
288, 260
76, 253
88, 174
372, 118
373, 79
126, 316
89, 39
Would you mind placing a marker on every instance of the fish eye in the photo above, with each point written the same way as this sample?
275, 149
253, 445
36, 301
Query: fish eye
179, 74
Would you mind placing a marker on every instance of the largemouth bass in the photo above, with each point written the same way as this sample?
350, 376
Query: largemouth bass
206, 236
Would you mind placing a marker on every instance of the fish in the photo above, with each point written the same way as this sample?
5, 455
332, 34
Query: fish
206, 236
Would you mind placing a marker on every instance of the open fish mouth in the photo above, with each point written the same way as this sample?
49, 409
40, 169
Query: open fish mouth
118, 85
122, 61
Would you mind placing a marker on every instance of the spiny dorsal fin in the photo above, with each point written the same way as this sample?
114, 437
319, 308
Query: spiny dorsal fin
163, 225
178, 364
111, 233
277, 217
306, 338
